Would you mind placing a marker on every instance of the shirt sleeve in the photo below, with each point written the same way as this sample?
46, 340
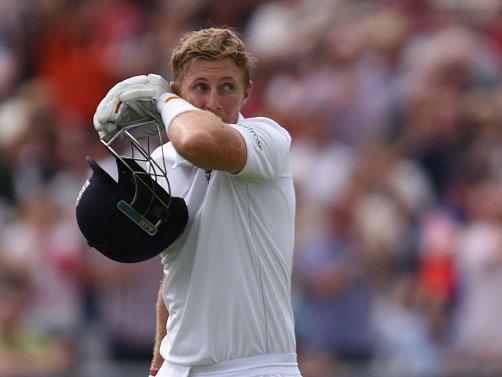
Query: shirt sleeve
267, 146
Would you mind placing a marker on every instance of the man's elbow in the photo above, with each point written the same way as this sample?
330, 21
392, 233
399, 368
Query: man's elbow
193, 146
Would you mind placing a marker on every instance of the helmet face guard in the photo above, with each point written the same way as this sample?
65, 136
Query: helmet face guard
135, 218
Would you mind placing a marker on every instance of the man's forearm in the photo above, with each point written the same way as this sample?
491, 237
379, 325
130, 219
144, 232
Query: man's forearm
161, 319
207, 142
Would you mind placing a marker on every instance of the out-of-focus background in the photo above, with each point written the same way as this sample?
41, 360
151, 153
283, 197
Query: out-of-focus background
395, 108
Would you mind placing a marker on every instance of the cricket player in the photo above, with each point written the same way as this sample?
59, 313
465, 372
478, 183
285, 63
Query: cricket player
224, 306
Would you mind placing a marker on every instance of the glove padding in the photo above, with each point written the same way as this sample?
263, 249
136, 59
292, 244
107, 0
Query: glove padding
131, 104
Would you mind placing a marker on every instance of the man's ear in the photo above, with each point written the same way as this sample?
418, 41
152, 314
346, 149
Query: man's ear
174, 88
248, 91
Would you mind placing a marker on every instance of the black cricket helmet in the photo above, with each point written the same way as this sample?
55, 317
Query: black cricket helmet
134, 218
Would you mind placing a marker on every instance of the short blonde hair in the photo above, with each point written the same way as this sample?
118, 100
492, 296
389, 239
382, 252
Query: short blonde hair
211, 44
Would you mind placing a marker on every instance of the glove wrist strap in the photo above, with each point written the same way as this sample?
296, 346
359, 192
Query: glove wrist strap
171, 106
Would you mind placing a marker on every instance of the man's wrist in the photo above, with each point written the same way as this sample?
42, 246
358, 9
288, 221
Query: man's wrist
170, 106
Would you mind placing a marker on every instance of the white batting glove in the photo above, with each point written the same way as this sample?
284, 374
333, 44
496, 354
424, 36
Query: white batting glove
131, 104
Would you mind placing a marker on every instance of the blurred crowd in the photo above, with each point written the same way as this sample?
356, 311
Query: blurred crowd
395, 109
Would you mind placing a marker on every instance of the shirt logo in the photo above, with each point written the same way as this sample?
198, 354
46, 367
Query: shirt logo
81, 192
255, 136
208, 174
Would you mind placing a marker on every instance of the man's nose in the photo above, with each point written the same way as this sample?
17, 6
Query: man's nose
213, 101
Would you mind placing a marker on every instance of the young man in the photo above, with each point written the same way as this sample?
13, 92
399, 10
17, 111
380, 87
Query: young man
225, 297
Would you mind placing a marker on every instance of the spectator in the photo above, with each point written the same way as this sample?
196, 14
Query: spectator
332, 276
124, 298
25, 349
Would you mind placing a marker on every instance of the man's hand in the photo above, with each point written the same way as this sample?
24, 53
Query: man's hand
131, 104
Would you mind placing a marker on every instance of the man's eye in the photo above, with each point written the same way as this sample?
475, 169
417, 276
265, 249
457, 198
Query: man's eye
228, 87
200, 87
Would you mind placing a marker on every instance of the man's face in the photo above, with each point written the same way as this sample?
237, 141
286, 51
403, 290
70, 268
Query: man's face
216, 86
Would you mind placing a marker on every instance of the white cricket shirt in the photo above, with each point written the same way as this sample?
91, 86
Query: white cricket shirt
227, 277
